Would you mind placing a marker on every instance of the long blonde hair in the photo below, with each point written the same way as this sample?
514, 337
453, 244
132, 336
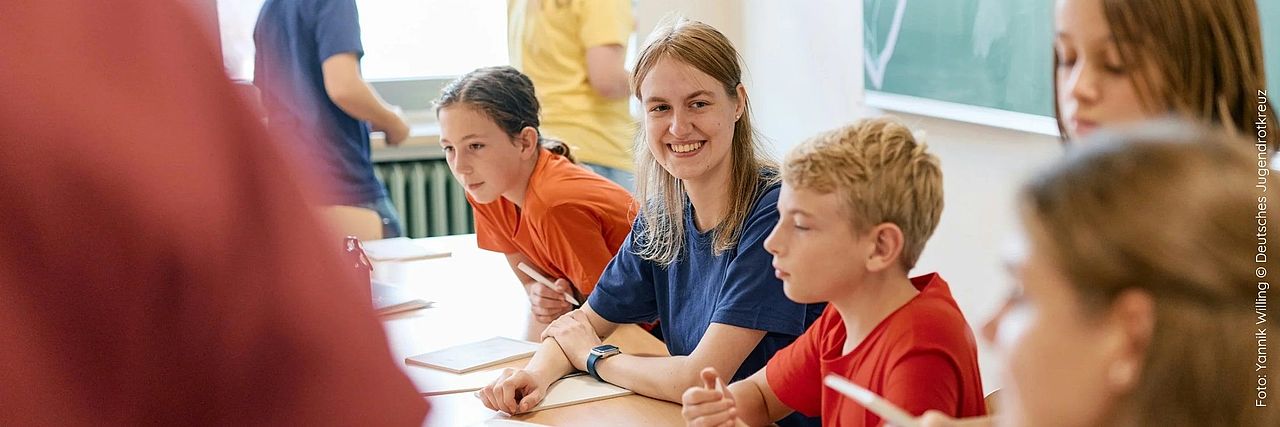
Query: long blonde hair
1168, 211
1200, 59
662, 195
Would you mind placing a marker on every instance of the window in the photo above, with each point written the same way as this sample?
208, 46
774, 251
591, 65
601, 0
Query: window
403, 39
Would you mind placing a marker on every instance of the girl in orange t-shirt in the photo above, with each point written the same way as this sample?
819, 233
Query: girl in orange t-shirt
531, 201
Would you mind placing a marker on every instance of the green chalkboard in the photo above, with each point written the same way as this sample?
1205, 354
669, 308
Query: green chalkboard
988, 53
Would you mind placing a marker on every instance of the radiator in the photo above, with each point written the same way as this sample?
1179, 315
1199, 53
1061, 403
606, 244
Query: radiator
427, 198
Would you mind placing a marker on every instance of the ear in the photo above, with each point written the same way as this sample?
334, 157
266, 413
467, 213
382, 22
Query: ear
1131, 324
887, 239
741, 108
527, 140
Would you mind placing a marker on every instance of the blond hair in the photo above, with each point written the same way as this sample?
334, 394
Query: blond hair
1200, 59
882, 175
1167, 210
663, 196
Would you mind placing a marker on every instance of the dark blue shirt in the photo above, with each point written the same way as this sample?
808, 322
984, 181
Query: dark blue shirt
737, 288
293, 38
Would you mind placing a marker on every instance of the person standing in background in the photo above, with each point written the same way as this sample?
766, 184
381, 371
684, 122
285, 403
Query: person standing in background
307, 67
575, 53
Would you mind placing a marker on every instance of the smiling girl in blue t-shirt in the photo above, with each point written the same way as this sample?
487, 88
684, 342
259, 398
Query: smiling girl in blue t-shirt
695, 258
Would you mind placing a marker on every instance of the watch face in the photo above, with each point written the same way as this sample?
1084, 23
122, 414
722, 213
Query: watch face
605, 349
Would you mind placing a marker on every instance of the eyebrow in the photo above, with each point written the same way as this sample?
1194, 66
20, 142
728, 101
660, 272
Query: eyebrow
470, 136
703, 92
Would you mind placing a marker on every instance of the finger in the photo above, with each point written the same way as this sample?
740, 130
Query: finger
563, 286
507, 397
710, 378
531, 399
699, 396
487, 397
934, 418
556, 305
723, 389
544, 296
716, 418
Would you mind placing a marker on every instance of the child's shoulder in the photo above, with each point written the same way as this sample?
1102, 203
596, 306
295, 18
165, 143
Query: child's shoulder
932, 318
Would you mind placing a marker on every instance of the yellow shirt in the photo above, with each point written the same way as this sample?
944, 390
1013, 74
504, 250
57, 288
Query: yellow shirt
548, 41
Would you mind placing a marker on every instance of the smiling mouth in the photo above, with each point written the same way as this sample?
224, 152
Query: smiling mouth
686, 148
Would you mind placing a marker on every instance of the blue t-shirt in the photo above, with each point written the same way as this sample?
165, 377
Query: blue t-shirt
293, 38
735, 288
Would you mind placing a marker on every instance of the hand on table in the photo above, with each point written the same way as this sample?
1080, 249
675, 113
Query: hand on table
515, 391
575, 335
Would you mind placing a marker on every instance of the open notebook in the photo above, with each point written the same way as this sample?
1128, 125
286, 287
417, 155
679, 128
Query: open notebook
401, 249
388, 299
472, 356
578, 388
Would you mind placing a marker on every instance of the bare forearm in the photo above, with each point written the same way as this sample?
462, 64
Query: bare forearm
663, 378
549, 362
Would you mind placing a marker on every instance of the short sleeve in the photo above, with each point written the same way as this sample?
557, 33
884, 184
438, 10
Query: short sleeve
490, 233
752, 297
625, 292
795, 374
606, 22
337, 29
924, 380
575, 242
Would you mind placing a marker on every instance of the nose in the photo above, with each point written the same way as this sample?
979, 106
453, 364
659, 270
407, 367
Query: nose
1082, 82
772, 244
681, 125
992, 326
460, 163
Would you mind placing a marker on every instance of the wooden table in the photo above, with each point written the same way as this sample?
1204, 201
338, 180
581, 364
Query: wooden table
476, 297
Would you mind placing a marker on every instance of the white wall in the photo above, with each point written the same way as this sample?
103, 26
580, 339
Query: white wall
805, 75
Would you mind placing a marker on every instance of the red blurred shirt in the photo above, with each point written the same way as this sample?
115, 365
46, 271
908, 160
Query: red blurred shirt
159, 263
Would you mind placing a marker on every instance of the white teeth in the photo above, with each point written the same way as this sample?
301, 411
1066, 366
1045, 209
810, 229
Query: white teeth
685, 148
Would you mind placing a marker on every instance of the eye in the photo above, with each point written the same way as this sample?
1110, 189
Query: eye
1065, 60
699, 104
659, 108
448, 149
798, 226
474, 147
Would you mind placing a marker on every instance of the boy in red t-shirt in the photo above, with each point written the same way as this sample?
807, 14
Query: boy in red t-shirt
857, 206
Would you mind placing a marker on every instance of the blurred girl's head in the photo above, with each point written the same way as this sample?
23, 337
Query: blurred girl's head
1135, 285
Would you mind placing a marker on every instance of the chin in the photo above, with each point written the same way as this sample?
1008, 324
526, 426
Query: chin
796, 294
483, 198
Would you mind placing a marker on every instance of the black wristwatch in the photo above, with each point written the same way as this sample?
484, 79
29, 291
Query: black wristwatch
600, 353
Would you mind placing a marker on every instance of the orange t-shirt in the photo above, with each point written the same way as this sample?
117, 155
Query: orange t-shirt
921, 357
572, 223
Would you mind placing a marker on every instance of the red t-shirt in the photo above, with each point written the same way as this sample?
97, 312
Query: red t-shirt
572, 223
923, 356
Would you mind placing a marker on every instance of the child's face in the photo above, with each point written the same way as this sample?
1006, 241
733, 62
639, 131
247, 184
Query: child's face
484, 159
1095, 85
1059, 357
689, 120
816, 252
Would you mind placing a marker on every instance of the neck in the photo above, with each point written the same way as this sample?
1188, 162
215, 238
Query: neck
517, 192
870, 302
710, 198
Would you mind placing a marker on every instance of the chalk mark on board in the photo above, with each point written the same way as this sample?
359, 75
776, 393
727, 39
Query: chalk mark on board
876, 63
